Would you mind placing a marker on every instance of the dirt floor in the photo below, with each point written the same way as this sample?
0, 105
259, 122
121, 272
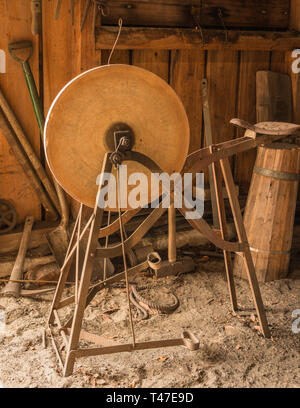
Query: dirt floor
232, 351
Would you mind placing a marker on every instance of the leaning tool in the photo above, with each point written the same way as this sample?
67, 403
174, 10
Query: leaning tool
85, 13
22, 158
13, 288
32, 156
57, 10
209, 141
59, 238
21, 45
36, 22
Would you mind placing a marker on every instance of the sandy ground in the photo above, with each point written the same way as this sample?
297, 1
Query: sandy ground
232, 352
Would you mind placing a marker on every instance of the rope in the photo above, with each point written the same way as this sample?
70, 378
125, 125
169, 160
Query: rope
138, 306
155, 305
124, 258
120, 23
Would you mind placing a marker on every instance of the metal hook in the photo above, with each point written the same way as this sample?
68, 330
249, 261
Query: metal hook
220, 15
197, 22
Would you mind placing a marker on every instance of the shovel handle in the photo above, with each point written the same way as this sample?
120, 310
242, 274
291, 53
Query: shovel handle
37, 106
20, 45
13, 288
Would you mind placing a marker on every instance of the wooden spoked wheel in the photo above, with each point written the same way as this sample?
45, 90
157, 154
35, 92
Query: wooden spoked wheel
8, 217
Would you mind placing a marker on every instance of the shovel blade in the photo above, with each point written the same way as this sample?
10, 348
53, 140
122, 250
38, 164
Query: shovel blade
58, 241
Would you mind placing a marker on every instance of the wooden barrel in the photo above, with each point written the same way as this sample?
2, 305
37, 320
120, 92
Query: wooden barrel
270, 211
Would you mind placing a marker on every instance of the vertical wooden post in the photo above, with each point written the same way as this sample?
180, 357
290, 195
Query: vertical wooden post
86, 275
242, 236
171, 233
216, 173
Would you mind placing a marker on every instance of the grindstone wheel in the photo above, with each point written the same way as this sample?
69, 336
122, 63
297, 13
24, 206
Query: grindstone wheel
81, 124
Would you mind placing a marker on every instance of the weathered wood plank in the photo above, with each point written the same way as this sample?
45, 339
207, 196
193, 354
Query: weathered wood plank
273, 97
294, 15
11, 242
250, 62
222, 78
172, 38
88, 56
282, 62
170, 13
118, 57
14, 185
61, 50
186, 71
295, 25
154, 61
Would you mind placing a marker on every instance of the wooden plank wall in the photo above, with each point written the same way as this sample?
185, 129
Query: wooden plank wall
15, 18
67, 52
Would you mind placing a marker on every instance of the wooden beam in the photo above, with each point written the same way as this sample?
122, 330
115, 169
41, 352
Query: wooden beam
175, 38
208, 13
11, 242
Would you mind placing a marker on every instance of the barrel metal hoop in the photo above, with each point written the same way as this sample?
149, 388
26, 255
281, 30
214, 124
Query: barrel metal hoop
261, 251
281, 175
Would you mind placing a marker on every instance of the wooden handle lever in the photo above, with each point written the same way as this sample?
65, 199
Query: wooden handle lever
36, 11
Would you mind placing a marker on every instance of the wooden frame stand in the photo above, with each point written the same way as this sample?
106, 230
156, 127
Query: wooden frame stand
71, 331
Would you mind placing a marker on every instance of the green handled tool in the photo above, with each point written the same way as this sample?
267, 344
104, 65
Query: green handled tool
12, 47
58, 239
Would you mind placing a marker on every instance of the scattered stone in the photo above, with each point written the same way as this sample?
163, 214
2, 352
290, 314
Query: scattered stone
232, 331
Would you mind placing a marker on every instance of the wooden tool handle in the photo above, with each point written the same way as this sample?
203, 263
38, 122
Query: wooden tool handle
36, 23
13, 288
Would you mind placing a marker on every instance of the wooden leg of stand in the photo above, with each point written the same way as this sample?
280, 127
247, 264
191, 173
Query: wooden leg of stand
64, 273
239, 225
216, 170
171, 234
87, 270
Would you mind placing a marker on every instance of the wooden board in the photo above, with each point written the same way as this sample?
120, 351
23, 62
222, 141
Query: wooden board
282, 62
187, 68
118, 57
250, 62
61, 50
172, 13
11, 242
294, 21
214, 39
221, 74
155, 61
273, 97
66, 50
14, 186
